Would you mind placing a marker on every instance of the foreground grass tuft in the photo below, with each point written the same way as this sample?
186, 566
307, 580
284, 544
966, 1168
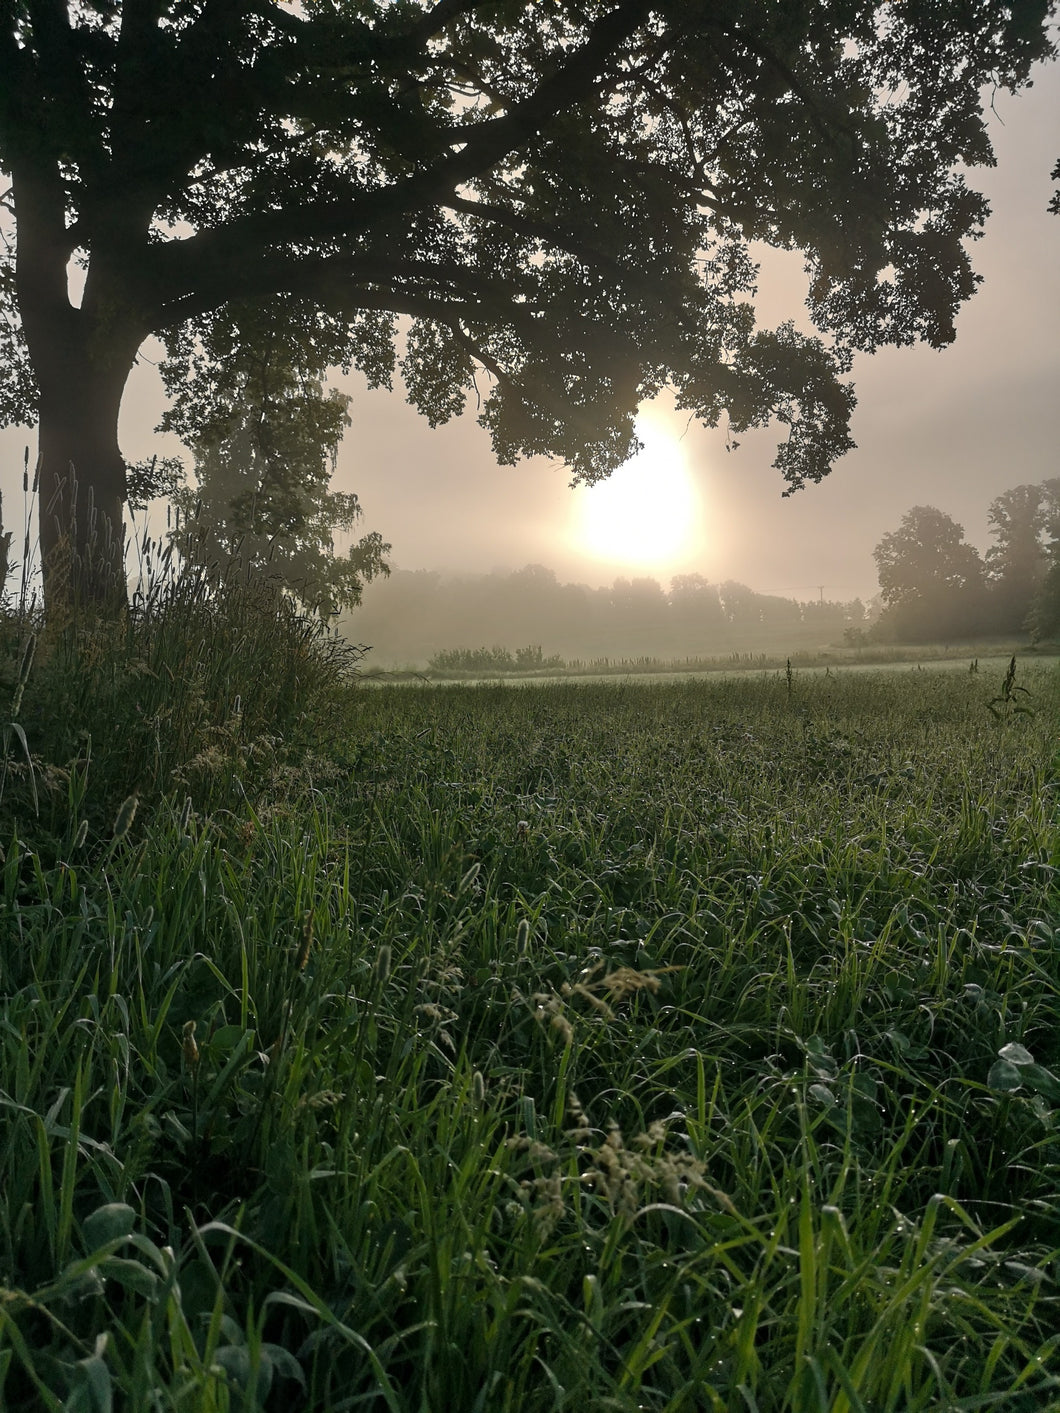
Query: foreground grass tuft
613, 1047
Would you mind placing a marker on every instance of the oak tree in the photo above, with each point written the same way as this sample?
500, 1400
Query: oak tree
560, 199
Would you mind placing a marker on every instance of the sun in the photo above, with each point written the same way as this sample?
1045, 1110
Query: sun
646, 514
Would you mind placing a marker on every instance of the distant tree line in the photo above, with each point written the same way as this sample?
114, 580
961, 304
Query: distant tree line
937, 587
417, 616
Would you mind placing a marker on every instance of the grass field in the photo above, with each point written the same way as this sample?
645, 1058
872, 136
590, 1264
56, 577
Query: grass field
985, 655
649, 672
629, 1046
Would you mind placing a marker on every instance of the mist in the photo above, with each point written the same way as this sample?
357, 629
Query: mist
420, 618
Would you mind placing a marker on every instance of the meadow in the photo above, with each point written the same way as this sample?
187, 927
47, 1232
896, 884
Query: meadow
620, 1046
487, 664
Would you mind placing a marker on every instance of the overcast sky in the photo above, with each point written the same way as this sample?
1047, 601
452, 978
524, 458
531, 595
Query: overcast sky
951, 429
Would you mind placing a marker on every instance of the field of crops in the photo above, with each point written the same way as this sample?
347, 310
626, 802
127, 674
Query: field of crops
598, 1047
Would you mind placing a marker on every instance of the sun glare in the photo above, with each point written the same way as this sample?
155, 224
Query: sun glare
645, 515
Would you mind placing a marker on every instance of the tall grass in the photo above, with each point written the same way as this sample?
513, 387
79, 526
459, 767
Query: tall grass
629, 1047
195, 691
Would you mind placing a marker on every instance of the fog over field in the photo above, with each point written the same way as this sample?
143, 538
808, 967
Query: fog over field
421, 617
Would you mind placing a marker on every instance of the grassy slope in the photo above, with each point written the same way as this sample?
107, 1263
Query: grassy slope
577, 1046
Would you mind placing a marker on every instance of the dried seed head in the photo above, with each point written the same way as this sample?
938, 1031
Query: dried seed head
189, 1047
576, 1117
598, 1003
561, 1024
81, 835
522, 937
623, 980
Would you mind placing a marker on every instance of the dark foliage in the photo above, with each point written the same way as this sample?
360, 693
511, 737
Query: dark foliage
559, 201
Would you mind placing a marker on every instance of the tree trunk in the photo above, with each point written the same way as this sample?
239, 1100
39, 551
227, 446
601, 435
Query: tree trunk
81, 480
82, 357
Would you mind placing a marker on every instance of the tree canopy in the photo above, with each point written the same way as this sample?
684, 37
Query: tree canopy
931, 579
1019, 559
935, 585
561, 200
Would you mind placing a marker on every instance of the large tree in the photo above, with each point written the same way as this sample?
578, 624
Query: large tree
932, 581
561, 198
1017, 560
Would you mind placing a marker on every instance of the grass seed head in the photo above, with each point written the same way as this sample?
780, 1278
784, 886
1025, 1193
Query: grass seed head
563, 1027
383, 958
598, 1003
548, 1205
189, 1047
126, 815
307, 943
623, 981
577, 1118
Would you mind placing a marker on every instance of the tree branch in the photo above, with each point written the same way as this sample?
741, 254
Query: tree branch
559, 239
348, 284
175, 265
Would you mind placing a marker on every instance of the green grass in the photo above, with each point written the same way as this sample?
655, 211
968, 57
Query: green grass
460, 665
567, 1047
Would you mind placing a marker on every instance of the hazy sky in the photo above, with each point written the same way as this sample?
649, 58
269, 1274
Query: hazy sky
951, 429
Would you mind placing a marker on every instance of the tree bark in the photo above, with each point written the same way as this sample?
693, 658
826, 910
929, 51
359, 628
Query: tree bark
81, 483
82, 357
